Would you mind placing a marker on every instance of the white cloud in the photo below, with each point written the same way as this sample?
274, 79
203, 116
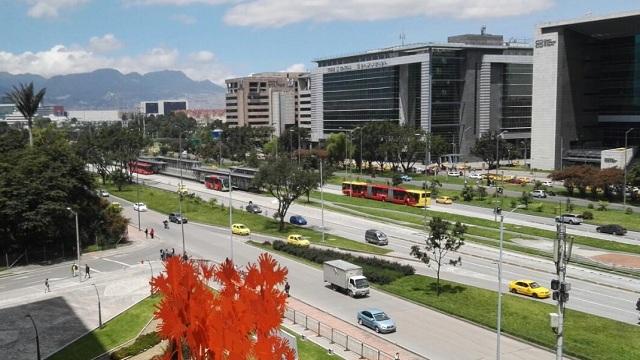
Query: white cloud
278, 13
295, 68
60, 60
173, 2
49, 8
202, 56
104, 44
185, 19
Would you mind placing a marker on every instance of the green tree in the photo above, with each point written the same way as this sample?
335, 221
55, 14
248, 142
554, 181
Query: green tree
286, 181
467, 193
443, 238
485, 148
437, 147
337, 146
27, 102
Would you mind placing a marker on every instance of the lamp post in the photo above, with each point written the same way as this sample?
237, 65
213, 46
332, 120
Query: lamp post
230, 216
290, 142
500, 279
624, 188
360, 130
99, 306
37, 337
322, 200
498, 150
77, 239
184, 249
150, 267
137, 197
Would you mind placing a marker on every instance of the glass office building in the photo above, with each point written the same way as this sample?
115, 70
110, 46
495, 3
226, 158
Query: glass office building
436, 87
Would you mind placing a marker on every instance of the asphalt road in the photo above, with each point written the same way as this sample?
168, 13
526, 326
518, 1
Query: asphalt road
595, 292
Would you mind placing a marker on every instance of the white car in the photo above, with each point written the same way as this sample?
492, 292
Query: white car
455, 173
139, 207
547, 183
103, 193
475, 176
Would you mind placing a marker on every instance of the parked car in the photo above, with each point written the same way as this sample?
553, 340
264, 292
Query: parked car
376, 320
406, 178
538, 194
177, 218
529, 288
102, 193
139, 207
376, 237
573, 219
297, 240
454, 173
253, 208
447, 200
547, 183
115, 205
611, 229
475, 176
297, 220
240, 229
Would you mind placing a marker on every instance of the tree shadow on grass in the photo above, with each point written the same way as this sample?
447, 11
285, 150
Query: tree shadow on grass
432, 289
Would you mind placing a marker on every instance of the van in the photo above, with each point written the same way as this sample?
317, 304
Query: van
376, 237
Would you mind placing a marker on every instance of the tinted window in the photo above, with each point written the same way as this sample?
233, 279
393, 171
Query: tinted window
366, 313
381, 316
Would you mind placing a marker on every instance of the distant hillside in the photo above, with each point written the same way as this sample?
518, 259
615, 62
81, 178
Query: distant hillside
110, 89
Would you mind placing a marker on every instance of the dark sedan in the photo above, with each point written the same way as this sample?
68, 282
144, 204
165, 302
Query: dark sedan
611, 229
297, 220
253, 208
177, 218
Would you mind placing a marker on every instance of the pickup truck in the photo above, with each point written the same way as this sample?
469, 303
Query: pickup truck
346, 277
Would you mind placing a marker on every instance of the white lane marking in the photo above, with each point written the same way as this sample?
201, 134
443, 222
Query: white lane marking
117, 262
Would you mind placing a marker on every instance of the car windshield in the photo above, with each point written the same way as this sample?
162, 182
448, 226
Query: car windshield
362, 283
381, 316
535, 285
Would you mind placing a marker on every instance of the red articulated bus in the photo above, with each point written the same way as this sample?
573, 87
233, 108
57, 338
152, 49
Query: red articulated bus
216, 182
354, 189
141, 167
378, 192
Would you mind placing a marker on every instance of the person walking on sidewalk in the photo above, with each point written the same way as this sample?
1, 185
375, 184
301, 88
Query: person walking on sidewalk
46, 286
397, 357
287, 287
152, 232
146, 233
87, 271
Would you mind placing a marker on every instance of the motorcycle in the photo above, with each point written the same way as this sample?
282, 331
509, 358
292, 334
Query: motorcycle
166, 224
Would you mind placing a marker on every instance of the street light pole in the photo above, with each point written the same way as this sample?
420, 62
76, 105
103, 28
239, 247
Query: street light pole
230, 216
77, 239
498, 151
499, 325
37, 337
138, 196
322, 199
184, 249
150, 267
99, 307
624, 188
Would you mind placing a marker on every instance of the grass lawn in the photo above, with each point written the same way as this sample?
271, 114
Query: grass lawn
586, 336
118, 330
213, 213
308, 350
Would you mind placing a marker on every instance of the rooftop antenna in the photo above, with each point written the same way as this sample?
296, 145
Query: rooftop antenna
483, 30
402, 37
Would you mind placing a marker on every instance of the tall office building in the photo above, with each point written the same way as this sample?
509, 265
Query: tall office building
586, 89
277, 99
458, 90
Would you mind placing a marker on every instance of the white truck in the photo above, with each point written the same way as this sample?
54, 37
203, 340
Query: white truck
346, 277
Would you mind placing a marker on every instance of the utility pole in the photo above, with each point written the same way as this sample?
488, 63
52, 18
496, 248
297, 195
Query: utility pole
560, 288
322, 199
180, 192
624, 188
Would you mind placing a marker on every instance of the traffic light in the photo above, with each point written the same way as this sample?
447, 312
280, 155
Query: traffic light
498, 210
560, 290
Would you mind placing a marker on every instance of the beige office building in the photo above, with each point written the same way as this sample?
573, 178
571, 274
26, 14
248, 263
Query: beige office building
278, 100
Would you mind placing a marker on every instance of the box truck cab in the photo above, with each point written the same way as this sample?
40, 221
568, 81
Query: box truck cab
345, 277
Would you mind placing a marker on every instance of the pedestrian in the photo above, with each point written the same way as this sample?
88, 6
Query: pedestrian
146, 233
152, 232
173, 251
46, 286
287, 287
87, 271
73, 270
161, 254
397, 357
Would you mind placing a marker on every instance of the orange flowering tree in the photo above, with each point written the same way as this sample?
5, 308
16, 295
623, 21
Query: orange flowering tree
239, 322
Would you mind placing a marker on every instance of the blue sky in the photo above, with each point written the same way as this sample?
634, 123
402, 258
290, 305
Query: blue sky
216, 39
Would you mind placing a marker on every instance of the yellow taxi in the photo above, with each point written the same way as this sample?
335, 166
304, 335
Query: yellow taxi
240, 229
297, 240
447, 200
529, 288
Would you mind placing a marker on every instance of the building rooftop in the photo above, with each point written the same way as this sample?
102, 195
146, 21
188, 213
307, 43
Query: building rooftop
600, 26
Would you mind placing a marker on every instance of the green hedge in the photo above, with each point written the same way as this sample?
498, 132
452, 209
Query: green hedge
142, 344
377, 270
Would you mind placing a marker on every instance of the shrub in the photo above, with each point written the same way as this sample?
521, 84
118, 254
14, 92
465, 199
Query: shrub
396, 180
590, 206
628, 211
602, 205
513, 203
538, 207
587, 215
141, 344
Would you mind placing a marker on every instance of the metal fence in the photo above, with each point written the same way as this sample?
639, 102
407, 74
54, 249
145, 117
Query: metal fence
346, 341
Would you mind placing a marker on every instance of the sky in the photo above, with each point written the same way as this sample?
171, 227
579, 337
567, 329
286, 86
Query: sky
218, 39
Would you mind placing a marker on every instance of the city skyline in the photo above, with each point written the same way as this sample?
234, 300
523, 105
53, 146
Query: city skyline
217, 39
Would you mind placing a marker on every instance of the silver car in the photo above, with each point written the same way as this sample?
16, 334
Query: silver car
376, 320
572, 219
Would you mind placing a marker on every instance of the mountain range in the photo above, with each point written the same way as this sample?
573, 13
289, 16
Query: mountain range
109, 89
